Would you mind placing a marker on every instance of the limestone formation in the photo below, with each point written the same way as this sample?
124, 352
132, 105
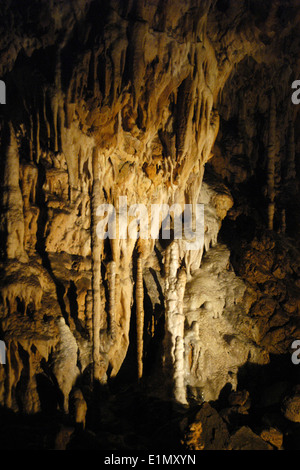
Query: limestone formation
139, 315
115, 110
80, 407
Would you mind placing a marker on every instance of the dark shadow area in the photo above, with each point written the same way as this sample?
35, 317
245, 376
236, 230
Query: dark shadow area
267, 385
154, 331
131, 417
73, 304
49, 396
128, 373
28, 432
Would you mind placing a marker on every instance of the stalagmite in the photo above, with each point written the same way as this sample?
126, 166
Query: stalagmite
174, 324
179, 369
111, 278
80, 408
65, 365
96, 247
271, 161
139, 295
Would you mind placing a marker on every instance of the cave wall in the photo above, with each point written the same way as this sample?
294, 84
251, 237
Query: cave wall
137, 99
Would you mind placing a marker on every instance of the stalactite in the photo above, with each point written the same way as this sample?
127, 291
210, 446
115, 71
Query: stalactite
28, 182
14, 369
61, 119
117, 56
31, 138
46, 118
9, 379
95, 81
13, 202
139, 31
54, 107
89, 314
38, 147
139, 296
55, 100
166, 268
271, 161
111, 278
291, 169
283, 221
115, 250
31, 401
185, 112
96, 246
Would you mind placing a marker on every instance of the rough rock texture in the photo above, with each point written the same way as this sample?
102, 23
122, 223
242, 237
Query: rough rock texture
273, 436
245, 439
291, 405
178, 102
207, 432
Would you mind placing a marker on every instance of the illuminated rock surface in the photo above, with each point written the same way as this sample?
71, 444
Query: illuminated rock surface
178, 102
